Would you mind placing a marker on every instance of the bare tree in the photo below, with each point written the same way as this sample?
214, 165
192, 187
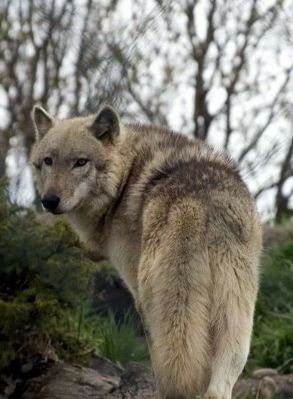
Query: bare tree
220, 70
227, 66
32, 52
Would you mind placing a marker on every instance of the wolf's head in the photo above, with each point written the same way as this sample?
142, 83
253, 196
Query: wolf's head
74, 159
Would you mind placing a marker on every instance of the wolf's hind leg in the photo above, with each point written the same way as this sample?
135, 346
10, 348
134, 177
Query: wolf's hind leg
234, 295
174, 292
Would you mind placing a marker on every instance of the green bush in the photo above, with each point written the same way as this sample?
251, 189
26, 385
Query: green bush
44, 277
272, 343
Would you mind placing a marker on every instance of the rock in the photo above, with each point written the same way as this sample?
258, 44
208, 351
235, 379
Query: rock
268, 387
64, 381
106, 380
10, 386
260, 373
104, 366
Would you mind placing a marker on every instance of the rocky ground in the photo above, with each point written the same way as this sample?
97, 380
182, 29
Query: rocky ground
49, 379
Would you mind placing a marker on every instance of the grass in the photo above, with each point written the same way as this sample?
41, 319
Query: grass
272, 343
82, 334
119, 341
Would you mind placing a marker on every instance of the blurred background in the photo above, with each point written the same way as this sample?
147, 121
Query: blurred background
220, 70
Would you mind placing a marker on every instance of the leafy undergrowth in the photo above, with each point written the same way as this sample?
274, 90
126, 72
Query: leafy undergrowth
272, 343
118, 341
44, 277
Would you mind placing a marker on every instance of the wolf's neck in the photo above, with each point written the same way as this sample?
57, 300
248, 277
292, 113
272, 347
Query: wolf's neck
90, 229
93, 221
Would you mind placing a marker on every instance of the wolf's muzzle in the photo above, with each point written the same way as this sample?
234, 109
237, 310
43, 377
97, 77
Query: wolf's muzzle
50, 202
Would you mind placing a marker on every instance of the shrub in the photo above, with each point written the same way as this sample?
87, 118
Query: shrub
272, 344
44, 277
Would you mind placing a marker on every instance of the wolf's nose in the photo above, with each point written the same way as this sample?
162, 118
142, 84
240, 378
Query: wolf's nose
50, 201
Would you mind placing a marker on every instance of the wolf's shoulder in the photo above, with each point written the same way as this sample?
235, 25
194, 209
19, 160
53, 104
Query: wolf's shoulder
173, 152
167, 167
172, 164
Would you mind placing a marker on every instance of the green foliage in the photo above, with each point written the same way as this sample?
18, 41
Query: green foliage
75, 336
120, 341
44, 277
272, 344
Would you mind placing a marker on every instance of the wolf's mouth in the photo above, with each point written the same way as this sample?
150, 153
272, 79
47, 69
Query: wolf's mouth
57, 212
54, 211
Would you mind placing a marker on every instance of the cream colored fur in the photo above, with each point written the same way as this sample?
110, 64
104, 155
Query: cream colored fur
179, 225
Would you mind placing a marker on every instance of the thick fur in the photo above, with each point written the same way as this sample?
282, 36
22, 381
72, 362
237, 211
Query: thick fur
178, 223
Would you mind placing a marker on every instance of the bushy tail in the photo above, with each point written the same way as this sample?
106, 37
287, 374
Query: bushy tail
179, 322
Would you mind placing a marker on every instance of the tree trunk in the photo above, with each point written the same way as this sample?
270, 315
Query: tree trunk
4, 145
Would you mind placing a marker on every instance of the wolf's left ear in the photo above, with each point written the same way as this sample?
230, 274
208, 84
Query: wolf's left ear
42, 121
106, 123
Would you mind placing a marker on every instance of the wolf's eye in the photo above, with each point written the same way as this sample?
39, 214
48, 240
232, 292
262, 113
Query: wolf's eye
48, 161
80, 162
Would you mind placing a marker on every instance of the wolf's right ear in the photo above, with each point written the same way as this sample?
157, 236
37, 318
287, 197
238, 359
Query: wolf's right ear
42, 121
106, 124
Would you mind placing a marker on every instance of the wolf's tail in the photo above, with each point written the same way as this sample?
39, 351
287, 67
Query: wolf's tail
179, 314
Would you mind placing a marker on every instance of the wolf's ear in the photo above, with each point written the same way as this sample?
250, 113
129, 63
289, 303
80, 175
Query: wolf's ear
42, 121
106, 124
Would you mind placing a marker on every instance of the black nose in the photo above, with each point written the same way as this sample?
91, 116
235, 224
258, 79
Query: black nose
50, 201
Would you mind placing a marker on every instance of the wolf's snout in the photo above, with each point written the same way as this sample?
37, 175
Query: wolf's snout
50, 202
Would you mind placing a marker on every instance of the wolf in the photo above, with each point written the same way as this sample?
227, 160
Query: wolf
176, 220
